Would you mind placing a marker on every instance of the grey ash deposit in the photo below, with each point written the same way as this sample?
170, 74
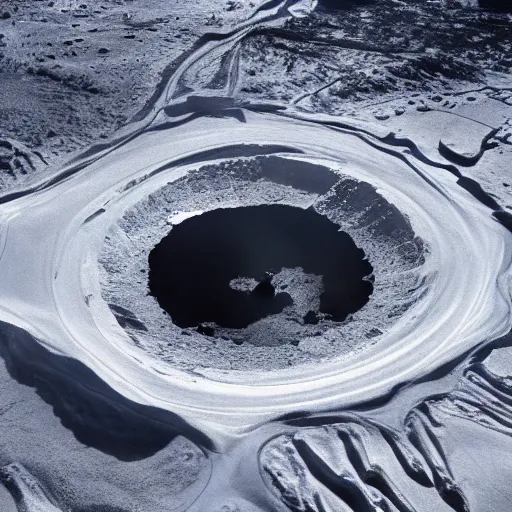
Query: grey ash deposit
299, 330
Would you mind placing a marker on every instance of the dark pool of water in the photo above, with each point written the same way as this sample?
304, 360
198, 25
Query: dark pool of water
190, 270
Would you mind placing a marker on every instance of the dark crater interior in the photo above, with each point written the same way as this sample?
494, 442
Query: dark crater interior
500, 5
343, 4
191, 270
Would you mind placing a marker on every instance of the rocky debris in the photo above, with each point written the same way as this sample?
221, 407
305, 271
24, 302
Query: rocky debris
373, 333
116, 51
17, 163
337, 60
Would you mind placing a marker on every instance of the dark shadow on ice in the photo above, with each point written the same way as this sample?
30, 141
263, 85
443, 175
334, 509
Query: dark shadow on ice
98, 416
312, 178
505, 218
475, 189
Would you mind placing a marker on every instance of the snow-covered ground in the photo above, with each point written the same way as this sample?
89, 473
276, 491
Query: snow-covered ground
123, 120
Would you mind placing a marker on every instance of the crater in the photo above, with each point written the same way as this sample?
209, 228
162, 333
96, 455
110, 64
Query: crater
253, 264
222, 267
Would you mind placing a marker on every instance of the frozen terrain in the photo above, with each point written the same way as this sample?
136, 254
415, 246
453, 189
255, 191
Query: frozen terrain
255, 256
